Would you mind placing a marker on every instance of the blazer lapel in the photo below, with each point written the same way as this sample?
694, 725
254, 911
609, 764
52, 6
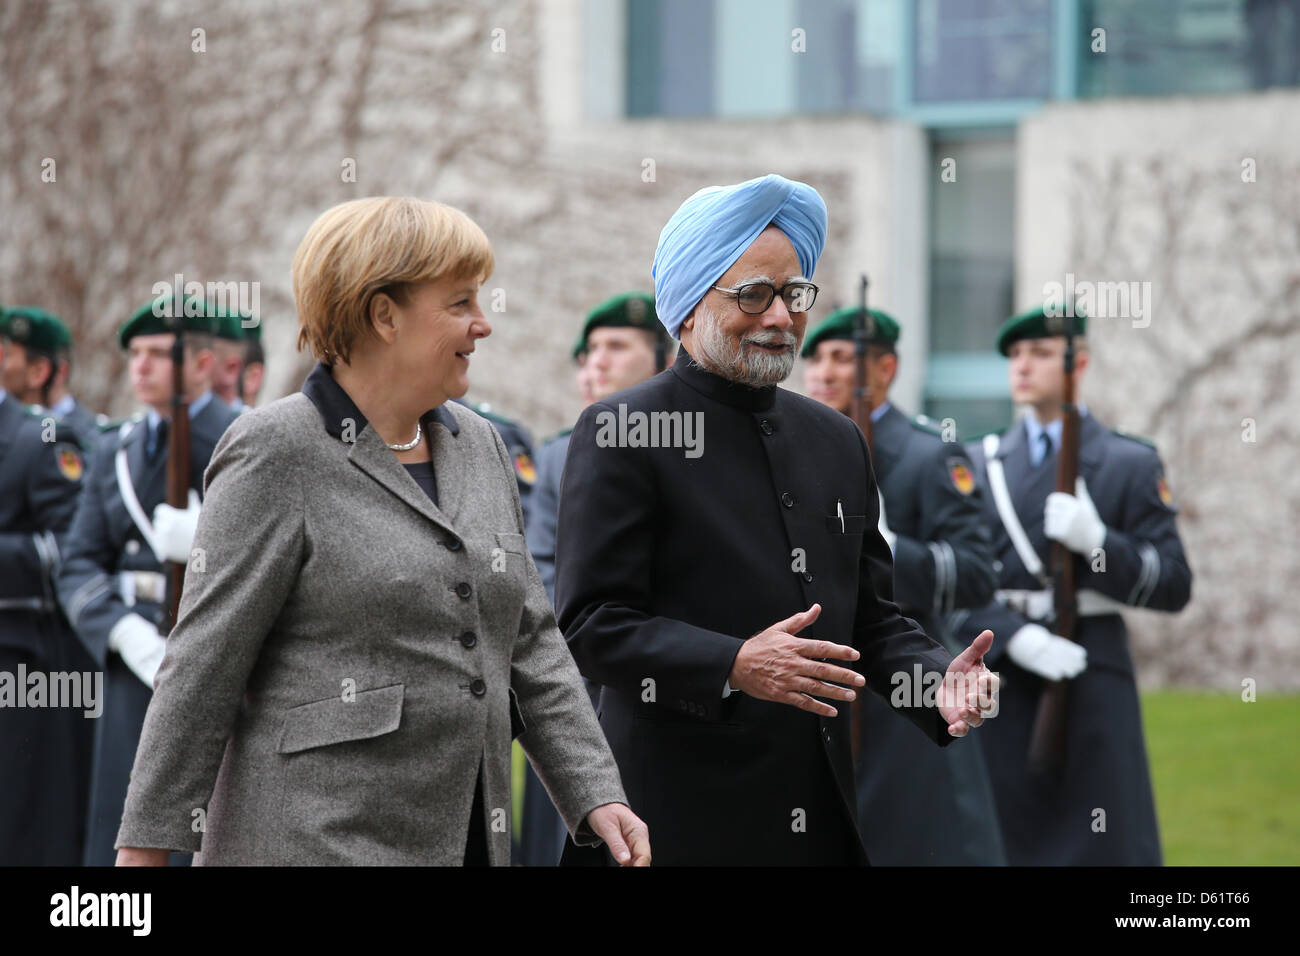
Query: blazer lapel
447, 469
371, 455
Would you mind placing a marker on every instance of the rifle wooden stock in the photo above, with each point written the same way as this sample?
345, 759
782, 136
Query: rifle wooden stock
1047, 738
178, 470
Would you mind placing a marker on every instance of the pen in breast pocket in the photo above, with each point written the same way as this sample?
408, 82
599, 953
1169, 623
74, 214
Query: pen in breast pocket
839, 510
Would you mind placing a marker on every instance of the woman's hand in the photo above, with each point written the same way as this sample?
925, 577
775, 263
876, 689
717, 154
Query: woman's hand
618, 826
138, 856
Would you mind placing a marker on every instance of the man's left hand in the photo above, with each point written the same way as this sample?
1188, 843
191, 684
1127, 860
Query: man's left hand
969, 693
620, 828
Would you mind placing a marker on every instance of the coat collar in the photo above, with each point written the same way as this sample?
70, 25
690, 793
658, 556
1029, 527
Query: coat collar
720, 389
336, 405
1091, 439
371, 455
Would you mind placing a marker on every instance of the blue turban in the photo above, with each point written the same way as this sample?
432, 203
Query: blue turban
712, 229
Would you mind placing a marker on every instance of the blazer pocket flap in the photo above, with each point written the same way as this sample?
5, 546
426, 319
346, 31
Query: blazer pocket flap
509, 541
853, 524
372, 713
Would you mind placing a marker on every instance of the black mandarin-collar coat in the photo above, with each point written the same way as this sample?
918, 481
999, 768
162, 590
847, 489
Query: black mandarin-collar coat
666, 563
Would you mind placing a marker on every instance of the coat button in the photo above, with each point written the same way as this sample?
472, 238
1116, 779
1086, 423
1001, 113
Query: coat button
477, 687
787, 499
766, 427
807, 576
133, 547
464, 590
453, 544
468, 640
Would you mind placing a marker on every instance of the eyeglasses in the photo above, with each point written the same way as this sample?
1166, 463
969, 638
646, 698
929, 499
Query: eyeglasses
754, 298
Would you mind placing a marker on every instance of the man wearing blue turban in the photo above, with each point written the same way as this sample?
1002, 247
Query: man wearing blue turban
719, 568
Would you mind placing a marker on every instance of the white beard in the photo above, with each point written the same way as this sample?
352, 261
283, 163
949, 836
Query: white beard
733, 361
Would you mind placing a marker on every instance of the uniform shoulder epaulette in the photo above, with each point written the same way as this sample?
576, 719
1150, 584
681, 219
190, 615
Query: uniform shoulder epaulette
927, 424
1137, 438
485, 410
976, 439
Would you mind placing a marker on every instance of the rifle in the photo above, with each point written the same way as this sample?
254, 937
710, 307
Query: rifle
1047, 739
863, 328
178, 452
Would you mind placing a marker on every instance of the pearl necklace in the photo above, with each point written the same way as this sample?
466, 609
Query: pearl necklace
410, 444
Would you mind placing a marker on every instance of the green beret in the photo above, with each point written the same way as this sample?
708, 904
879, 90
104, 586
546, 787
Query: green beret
630, 309
199, 316
882, 330
1040, 322
35, 329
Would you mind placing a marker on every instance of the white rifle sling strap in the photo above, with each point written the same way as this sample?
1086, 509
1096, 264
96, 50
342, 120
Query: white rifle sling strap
1007, 511
127, 490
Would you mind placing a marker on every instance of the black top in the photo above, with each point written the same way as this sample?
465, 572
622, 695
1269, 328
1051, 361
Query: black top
422, 472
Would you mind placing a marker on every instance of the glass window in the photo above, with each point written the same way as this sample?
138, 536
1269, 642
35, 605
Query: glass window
982, 50
972, 279
1158, 47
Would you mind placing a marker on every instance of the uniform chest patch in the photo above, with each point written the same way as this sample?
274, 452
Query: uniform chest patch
1166, 496
69, 461
525, 468
961, 476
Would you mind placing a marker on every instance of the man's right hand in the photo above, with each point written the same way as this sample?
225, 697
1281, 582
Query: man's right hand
1048, 655
779, 666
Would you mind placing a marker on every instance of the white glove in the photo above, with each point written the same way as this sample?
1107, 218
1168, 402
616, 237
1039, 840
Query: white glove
173, 530
140, 646
1073, 520
1049, 655
891, 539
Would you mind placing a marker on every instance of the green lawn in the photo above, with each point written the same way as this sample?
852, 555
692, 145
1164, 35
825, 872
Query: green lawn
1226, 776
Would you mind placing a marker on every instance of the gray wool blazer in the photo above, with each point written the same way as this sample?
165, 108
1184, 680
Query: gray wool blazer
348, 654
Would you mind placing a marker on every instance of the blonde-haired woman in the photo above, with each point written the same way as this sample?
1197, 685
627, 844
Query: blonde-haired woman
368, 632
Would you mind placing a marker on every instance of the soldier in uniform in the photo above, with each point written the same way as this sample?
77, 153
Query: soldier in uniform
519, 445
621, 343
112, 583
254, 370
917, 804
44, 750
37, 365
1098, 809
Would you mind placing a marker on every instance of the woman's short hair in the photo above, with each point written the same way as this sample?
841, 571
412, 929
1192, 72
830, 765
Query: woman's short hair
385, 244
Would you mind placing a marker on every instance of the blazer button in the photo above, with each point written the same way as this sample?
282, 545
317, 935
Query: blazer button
807, 576
133, 546
464, 590
787, 499
478, 688
468, 640
453, 544
766, 427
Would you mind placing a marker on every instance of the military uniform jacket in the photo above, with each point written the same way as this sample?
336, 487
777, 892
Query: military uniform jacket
666, 563
351, 660
1052, 820
104, 543
919, 805
542, 517
39, 484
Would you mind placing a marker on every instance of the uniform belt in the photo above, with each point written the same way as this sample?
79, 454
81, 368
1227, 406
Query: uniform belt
1040, 606
142, 586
